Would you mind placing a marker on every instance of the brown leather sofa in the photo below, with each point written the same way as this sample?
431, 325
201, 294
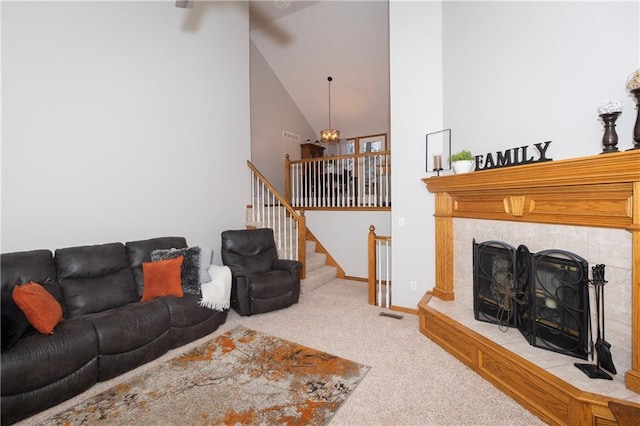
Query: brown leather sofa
106, 330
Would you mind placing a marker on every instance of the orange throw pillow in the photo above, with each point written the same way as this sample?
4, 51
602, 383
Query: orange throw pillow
162, 278
41, 309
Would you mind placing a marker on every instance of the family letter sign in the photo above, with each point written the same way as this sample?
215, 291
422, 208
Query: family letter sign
514, 157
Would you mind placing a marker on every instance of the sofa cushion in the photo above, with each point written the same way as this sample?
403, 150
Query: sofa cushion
189, 320
190, 266
14, 321
162, 278
128, 327
140, 251
39, 360
251, 251
39, 306
20, 268
130, 335
94, 278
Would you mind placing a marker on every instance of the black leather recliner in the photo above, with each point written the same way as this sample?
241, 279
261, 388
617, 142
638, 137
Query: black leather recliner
260, 281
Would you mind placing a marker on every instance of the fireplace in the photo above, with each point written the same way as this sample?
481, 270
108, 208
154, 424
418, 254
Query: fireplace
592, 197
545, 295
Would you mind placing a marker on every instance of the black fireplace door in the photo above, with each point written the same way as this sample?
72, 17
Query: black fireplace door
493, 283
558, 316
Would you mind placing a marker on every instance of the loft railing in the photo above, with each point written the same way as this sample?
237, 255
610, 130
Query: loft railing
359, 181
379, 269
269, 209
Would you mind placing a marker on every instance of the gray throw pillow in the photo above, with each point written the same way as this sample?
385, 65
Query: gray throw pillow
190, 266
205, 261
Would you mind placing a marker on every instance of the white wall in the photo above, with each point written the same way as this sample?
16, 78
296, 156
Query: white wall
272, 111
518, 73
416, 109
345, 235
123, 121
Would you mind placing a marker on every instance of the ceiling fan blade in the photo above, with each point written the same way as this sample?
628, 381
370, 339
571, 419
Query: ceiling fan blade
185, 4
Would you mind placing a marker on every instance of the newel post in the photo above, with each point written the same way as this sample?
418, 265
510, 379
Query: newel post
287, 179
371, 274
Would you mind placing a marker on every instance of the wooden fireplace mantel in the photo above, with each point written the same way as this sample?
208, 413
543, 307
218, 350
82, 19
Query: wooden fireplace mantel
598, 191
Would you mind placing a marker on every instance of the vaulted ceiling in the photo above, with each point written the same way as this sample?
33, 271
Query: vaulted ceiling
348, 40
262, 13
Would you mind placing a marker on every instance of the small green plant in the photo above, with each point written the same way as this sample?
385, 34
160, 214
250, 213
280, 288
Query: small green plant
463, 155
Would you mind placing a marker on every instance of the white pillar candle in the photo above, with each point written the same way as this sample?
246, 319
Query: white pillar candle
437, 162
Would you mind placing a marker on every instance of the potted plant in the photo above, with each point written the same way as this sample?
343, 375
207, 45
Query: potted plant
462, 161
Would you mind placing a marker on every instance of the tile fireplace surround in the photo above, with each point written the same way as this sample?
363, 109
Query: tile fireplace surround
589, 206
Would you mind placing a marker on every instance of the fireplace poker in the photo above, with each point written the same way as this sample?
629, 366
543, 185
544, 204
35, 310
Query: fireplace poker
603, 348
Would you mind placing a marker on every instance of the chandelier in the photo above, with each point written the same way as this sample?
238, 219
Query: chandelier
330, 135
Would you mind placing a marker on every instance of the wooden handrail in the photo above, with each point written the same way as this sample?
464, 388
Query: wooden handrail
338, 157
274, 191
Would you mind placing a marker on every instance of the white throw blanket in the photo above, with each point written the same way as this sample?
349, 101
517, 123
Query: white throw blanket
217, 293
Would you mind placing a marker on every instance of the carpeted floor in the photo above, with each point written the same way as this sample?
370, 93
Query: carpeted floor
412, 381
239, 377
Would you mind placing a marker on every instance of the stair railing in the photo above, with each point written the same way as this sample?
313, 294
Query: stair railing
269, 209
357, 181
379, 269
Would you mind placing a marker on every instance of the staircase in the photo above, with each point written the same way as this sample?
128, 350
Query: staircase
318, 272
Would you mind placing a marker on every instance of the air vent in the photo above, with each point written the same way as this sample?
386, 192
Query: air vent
291, 136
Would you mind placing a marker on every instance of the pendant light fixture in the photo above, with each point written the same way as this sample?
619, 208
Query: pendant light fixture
330, 135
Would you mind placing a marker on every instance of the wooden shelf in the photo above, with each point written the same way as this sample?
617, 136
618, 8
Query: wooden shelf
590, 191
619, 167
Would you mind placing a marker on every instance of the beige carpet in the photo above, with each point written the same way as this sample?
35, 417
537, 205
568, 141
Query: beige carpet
412, 381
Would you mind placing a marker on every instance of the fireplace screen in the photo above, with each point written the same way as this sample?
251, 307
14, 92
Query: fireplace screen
493, 285
545, 295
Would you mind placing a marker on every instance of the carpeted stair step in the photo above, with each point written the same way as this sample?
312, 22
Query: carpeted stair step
311, 247
315, 261
318, 277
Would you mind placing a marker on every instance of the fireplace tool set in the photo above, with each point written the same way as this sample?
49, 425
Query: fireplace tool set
602, 347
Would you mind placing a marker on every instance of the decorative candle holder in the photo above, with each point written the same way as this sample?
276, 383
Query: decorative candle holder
610, 137
609, 111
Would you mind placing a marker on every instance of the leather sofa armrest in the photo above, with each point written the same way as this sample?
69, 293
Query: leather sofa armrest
240, 291
292, 266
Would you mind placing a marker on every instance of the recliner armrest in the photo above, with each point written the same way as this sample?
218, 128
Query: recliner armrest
292, 266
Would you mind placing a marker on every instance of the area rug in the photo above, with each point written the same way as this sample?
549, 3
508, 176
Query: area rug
241, 377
